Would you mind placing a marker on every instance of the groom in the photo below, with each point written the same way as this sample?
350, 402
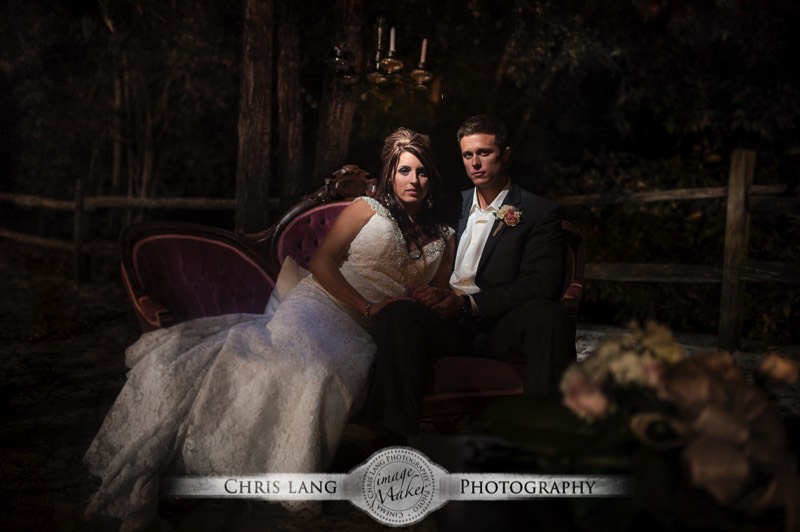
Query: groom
505, 284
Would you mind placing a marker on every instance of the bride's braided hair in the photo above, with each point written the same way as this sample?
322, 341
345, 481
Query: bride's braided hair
428, 224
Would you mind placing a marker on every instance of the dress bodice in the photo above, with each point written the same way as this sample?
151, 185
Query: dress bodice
379, 264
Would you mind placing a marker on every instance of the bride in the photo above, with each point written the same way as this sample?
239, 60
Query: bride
246, 394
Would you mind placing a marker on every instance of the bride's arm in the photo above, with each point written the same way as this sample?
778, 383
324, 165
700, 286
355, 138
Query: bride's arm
332, 251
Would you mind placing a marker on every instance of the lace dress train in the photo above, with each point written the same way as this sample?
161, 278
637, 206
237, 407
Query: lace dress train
242, 394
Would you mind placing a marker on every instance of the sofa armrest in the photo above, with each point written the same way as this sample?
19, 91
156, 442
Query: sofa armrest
572, 298
152, 313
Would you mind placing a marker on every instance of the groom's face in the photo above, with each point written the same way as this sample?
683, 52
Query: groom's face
483, 160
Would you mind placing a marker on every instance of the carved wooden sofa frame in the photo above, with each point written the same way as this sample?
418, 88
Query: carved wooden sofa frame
173, 272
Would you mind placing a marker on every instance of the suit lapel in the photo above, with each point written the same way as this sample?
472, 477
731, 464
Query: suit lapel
514, 197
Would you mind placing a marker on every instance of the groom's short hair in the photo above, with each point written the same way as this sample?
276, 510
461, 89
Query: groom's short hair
486, 124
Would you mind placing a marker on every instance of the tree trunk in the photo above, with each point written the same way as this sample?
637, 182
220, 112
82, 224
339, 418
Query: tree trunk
255, 115
116, 170
115, 187
527, 116
339, 101
495, 101
290, 111
130, 136
148, 155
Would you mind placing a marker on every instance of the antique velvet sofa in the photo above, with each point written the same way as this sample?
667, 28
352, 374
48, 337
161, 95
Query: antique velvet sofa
175, 271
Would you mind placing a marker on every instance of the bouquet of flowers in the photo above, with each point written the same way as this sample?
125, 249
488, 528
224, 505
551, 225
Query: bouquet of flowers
704, 445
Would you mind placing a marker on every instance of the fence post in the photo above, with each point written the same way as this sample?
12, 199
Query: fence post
79, 260
737, 229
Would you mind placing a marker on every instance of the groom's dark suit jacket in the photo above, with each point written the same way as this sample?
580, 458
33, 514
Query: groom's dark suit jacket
520, 263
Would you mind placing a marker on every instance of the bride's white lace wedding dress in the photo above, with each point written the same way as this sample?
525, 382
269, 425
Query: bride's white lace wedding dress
245, 394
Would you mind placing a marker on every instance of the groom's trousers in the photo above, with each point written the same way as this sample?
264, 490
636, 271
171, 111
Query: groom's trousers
408, 334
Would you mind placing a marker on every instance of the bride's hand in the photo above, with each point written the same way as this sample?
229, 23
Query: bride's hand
429, 295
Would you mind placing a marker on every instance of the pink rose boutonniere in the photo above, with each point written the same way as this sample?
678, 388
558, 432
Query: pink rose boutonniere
508, 215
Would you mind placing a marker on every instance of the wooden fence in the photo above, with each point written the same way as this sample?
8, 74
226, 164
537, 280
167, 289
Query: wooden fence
743, 198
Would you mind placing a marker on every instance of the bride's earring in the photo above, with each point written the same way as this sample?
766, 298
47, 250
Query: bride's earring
429, 202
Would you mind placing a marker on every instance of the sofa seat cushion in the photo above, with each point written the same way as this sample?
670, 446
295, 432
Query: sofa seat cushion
461, 377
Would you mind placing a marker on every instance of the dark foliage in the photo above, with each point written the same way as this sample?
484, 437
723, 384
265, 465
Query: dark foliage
601, 96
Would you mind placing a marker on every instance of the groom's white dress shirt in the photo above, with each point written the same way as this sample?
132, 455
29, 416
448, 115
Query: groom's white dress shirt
470, 246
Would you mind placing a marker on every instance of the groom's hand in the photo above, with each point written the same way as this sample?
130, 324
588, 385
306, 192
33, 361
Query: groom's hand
444, 303
448, 306
427, 295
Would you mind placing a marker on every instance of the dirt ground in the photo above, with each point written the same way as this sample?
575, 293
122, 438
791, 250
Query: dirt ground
61, 353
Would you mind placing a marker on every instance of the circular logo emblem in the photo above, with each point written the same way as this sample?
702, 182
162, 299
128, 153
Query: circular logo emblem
399, 486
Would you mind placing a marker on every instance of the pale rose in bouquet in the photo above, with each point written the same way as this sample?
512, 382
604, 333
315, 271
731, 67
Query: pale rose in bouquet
637, 359
730, 437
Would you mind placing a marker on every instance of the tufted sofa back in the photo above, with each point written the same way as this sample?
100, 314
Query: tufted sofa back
183, 271
302, 236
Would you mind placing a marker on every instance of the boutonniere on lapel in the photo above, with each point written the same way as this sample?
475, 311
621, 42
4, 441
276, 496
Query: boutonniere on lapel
508, 215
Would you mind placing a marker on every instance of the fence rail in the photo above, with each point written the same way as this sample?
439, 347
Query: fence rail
678, 194
743, 198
